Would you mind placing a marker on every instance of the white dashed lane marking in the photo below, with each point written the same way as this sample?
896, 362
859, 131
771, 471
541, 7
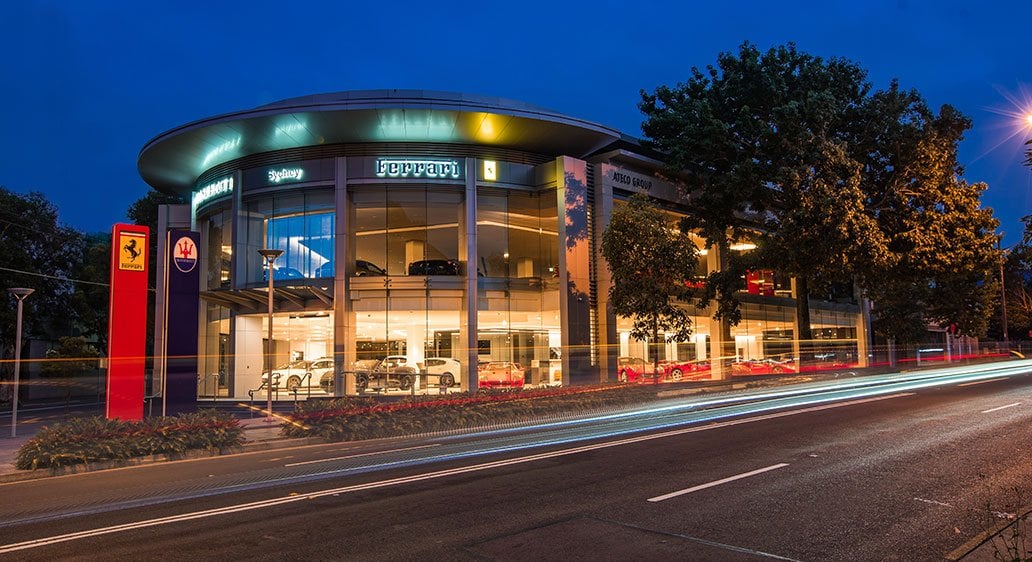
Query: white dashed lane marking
1001, 408
718, 482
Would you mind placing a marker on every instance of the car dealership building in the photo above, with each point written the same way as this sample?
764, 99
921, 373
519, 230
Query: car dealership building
426, 226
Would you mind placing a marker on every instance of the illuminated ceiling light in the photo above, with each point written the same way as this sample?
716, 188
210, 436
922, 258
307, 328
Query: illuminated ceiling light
703, 252
220, 150
743, 246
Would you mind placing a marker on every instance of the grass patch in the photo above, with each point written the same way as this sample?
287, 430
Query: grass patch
92, 439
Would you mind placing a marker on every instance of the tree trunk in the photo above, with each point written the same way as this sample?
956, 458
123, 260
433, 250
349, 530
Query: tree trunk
655, 353
803, 321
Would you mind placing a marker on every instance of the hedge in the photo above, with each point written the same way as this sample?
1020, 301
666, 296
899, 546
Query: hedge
92, 439
350, 419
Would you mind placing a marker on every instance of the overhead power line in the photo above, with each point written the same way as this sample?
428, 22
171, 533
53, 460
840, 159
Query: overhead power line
54, 277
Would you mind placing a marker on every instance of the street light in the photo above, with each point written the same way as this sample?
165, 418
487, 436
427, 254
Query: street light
270, 256
19, 293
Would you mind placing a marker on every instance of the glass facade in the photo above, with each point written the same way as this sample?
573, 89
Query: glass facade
406, 230
444, 279
300, 224
517, 266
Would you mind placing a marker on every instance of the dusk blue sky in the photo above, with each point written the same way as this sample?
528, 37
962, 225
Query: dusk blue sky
86, 84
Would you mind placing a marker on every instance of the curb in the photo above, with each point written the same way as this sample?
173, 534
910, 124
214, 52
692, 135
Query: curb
989, 534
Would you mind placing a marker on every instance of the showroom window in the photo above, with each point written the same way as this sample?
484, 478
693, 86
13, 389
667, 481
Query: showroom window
302, 225
517, 234
219, 251
406, 230
519, 340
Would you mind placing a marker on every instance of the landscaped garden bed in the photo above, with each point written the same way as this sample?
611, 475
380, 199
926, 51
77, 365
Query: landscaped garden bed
95, 439
351, 419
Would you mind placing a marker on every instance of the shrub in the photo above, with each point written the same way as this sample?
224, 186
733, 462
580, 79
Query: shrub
92, 439
349, 419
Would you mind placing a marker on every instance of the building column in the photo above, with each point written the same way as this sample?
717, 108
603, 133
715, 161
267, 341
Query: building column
247, 335
344, 355
608, 341
722, 345
574, 270
238, 366
468, 256
863, 330
796, 341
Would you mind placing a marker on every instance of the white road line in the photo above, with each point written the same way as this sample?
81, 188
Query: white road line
982, 382
1001, 407
362, 455
718, 482
933, 502
35, 543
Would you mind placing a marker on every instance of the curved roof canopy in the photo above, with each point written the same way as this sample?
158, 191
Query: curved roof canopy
173, 160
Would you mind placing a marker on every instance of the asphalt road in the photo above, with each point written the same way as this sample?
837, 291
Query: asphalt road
905, 475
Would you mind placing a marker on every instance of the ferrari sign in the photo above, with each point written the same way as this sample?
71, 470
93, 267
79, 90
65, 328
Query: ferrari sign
132, 251
127, 322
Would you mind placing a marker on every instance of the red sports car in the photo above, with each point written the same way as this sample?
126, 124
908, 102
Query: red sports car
685, 370
501, 373
762, 367
635, 369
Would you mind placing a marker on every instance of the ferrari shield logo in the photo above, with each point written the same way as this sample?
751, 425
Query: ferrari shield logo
132, 251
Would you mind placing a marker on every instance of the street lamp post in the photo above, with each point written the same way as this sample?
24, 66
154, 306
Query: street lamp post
19, 293
1003, 305
270, 256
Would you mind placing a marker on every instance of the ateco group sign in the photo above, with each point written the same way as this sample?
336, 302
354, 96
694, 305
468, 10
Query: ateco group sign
624, 180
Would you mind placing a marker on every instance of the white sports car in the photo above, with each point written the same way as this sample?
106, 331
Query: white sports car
299, 375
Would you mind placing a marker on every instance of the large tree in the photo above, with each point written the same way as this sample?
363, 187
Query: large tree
763, 141
834, 182
941, 256
92, 287
650, 258
38, 252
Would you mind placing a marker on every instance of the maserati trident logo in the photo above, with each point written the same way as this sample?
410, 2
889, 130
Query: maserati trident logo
184, 254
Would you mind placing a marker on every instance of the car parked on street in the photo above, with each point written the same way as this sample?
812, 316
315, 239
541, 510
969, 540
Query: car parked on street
501, 374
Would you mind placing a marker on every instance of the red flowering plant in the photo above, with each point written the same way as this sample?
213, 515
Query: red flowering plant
349, 419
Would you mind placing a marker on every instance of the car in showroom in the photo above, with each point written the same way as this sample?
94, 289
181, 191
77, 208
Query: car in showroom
300, 374
281, 273
684, 370
500, 374
360, 370
635, 369
763, 367
392, 371
442, 371
362, 269
434, 267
